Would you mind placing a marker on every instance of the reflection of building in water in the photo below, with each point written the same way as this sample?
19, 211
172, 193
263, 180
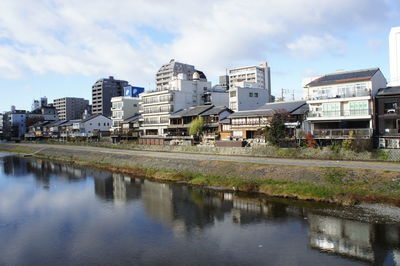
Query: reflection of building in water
126, 188
157, 201
341, 236
15, 166
364, 241
103, 186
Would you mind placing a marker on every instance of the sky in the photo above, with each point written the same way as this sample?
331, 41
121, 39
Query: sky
57, 48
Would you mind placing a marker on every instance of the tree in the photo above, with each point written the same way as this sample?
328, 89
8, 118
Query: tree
196, 126
276, 131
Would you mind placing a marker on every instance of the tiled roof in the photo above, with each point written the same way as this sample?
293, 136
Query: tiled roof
293, 107
132, 118
216, 110
192, 111
341, 77
388, 91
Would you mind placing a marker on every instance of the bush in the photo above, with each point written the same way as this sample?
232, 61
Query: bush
310, 141
196, 126
276, 132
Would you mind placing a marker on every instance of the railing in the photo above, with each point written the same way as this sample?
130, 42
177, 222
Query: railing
356, 112
344, 95
347, 133
391, 133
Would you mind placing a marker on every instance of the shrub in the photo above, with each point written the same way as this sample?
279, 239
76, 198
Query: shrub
276, 132
310, 141
196, 126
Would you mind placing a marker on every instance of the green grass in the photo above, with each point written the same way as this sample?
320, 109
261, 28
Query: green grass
334, 175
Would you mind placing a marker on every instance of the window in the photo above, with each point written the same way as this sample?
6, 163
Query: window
99, 124
250, 94
232, 94
256, 94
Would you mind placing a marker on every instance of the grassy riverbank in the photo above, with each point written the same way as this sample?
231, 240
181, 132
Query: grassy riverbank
329, 184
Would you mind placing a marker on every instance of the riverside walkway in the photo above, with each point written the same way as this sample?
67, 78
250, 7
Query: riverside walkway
389, 166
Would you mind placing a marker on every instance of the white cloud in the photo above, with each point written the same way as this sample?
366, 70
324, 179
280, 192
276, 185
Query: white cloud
309, 47
99, 38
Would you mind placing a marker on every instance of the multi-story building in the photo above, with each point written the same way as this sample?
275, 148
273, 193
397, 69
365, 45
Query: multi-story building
341, 104
387, 117
224, 82
260, 75
102, 92
394, 54
168, 71
70, 108
45, 113
183, 92
247, 96
17, 123
122, 108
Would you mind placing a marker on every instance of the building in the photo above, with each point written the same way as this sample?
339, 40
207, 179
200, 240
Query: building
387, 117
394, 56
129, 129
122, 108
247, 96
183, 92
260, 75
170, 70
341, 104
17, 123
45, 113
250, 124
69, 108
94, 126
224, 82
1, 126
217, 97
102, 92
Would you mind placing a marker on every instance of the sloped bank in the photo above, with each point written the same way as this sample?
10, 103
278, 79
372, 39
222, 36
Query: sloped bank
329, 184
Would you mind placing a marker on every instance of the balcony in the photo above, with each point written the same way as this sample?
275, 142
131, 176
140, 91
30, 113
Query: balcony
359, 93
347, 133
340, 113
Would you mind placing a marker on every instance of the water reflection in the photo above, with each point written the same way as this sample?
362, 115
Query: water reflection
219, 222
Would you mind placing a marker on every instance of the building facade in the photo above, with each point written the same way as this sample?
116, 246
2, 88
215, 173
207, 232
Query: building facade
341, 104
394, 56
70, 108
122, 108
183, 92
260, 75
247, 96
170, 70
102, 92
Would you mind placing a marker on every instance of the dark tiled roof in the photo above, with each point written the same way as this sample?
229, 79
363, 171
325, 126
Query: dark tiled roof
388, 91
225, 121
216, 110
293, 107
89, 118
133, 118
192, 111
357, 75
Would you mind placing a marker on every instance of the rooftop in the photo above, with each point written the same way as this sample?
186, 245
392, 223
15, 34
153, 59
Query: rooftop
293, 107
342, 77
388, 91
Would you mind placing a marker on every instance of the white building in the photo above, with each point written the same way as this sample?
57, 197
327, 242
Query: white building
247, 96
122, 108
217, 97
394, 54
171, 70
91, 125
182, 92
260, 75
343, 101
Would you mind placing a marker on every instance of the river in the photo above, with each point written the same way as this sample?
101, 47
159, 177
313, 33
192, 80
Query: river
57, 214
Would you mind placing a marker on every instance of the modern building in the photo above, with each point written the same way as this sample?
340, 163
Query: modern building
387, 117
341, 104
45, 113
102, 92
122, 108
170, 70
247, 96
260, 75
69, 108
224, 82
17, 123
183, 92
1, 126
96, 125
394, 56
217, 97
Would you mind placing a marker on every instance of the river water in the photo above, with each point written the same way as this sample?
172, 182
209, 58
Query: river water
56, 214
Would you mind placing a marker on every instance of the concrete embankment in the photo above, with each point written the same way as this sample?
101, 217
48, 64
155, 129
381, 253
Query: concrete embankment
331, 184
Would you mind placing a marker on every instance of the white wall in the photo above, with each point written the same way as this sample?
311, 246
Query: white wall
100, 123
394, 55
245, 102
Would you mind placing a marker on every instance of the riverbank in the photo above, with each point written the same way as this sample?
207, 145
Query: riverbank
346, 186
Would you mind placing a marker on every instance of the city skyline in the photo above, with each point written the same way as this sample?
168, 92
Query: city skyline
64, 48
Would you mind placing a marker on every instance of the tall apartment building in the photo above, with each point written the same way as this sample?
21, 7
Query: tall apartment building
394, 54
343, 101
250, 87
102, 92
168, 71
184, 92
71, 108
1, 126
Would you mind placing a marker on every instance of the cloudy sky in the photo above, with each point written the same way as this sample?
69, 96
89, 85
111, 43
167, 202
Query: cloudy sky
60, 48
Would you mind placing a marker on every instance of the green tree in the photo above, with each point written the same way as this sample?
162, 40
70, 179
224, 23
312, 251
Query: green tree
196, 126
276, 131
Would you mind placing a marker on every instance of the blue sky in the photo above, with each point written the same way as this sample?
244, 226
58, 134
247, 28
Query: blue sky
60, 48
